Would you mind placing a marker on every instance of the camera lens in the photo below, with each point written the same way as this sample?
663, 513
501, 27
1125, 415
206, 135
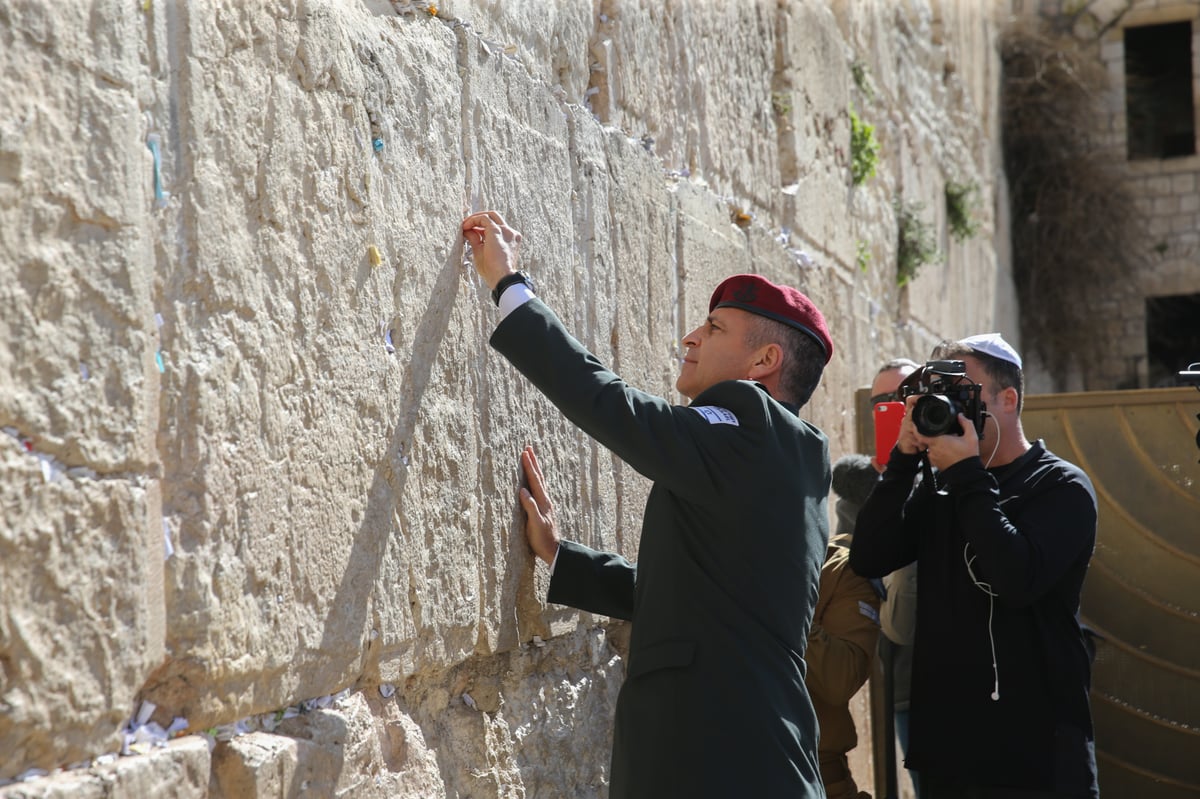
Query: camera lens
936, 415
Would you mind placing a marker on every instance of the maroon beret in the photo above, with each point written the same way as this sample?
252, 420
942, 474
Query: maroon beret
756, 294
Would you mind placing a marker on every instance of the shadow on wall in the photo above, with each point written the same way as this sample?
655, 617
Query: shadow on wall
385, 498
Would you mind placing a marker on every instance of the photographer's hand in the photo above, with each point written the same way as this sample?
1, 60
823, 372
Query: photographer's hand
907, 442
945, 451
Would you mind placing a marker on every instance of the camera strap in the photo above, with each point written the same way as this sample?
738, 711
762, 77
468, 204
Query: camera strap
928, 475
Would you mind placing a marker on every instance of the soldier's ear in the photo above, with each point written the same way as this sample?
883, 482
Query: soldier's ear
767, 360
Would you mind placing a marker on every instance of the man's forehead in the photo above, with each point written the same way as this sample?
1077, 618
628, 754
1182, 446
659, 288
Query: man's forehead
975, 371
728, 314
889, 380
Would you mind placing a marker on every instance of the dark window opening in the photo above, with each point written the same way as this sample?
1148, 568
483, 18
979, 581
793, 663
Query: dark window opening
1172, 336
1158, 91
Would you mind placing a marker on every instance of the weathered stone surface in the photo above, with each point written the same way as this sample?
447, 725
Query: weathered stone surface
508, 725
293, 432
812, 95
80, 534
349, 750
552, 41
79, 577
345, 516
179, 770
497, 726
695, 78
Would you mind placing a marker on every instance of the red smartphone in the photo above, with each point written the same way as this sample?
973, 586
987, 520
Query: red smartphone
888, 416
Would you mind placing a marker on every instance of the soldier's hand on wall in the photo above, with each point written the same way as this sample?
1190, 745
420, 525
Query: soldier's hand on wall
494, 245
540, 528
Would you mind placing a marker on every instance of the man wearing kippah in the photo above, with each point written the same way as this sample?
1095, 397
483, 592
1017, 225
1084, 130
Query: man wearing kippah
733, 535
1003, 530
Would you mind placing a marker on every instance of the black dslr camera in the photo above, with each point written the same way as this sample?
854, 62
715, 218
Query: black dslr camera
945, 392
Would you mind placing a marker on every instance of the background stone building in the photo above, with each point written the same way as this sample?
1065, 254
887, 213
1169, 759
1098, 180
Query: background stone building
1147, 323
1152, 54
258, 468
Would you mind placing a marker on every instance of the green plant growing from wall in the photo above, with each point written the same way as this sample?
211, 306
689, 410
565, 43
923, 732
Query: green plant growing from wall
960, 207
862, 255
781, 103
915, 244
858, 70
864, 149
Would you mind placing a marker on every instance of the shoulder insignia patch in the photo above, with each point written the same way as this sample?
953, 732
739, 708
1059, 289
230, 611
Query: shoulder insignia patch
714, 414
868, 611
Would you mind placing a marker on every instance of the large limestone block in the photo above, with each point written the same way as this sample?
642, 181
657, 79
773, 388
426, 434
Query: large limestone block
642, 246
585, 296
362, 748
512, 129
75, 309
290, 432
179, 770
80, 583
552, 41
697, 79
972, 63
535, 721
80, 540
559, 707
812, 94
647, 321
710, 247
532, 722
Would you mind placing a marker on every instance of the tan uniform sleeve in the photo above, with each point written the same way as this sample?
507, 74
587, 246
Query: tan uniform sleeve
898, 614
844, 630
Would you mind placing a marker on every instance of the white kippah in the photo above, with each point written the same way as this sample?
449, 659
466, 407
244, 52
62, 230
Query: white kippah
992, 344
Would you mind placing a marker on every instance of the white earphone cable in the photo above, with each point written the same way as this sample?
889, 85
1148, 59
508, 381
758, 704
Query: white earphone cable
987, 415
987, 589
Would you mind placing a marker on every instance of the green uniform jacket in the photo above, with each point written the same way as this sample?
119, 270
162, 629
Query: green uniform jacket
714, 702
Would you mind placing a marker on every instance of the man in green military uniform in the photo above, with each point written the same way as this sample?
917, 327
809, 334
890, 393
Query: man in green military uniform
733, 536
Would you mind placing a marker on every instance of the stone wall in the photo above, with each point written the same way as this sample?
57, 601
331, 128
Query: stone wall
259, 466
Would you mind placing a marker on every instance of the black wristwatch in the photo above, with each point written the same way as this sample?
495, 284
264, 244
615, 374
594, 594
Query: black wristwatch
508, 280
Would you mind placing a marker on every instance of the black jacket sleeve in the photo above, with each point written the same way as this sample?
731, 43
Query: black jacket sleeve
655, 437
598, 582
886, 534
1023, 557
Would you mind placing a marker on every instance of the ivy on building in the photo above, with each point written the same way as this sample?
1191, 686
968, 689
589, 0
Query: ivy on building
1077, 236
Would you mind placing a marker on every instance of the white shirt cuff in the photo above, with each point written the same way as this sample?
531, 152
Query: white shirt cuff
554, 562
514, 297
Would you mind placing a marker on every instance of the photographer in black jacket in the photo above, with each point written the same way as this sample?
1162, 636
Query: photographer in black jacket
1004, 532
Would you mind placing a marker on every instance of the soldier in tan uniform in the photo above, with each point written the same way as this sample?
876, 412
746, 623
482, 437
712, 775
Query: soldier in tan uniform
842, 639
